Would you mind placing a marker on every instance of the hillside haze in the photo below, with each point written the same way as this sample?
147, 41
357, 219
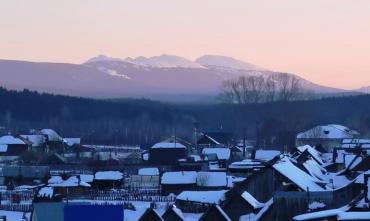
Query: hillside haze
164, 76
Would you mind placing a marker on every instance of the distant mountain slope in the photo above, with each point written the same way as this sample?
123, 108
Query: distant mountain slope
165, 76
364, 90
217, 61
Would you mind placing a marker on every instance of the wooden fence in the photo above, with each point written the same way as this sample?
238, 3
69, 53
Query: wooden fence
123, 195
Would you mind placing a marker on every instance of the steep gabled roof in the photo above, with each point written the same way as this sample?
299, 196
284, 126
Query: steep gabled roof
303, 180
174, 213
215, 210
150, 215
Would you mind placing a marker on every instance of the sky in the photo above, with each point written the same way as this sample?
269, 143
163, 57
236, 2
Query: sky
325, 41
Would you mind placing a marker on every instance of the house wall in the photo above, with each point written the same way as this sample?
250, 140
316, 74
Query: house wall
14, 150
237, 207
261, 185
165, 156
290, 204
176, 188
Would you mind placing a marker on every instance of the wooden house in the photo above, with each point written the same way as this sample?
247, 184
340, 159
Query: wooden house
54, 141
326, 136
173, 214
150, 215
108, 179
199, 201
176, 182
240, 205
215, 213
11, 146
167, 153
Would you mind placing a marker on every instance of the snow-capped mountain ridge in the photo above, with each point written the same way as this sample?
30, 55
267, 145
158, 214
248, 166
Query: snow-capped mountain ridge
174, 61
164, 61
218, 61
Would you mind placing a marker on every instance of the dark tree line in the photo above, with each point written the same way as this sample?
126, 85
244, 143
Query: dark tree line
143, 122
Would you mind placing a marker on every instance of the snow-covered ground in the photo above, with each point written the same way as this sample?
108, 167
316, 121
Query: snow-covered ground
15, 216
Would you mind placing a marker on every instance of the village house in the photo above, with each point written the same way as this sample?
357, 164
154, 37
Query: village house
218, 157
38, 141
16, 175
108, 179
146, 179
326, 137
176, 182
242, 204
199, 201
167, 153
72, 185
11, 147
54, 142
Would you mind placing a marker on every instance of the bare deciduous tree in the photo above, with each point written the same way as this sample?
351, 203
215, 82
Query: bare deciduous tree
258, 89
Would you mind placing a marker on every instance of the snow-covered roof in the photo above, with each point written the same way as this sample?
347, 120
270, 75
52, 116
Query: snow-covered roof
8, 139
168, 145
148, 171
257, 216
212, 139
222, 212
72, 141
222, 153
354, 216
352, 160
312, 151
72, 181
108, 175
46, 192
231, 180
36, 140
314, 169
251, 200
55, 179
331, 131
321, 214
3, 148
88, 178
51, 134
211, 179
214, 197
15, 215
179, 177
303, 180
266, 155
246, 164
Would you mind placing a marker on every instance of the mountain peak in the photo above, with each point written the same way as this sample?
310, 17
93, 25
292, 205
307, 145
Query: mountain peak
166, 61
102, 57
221, 61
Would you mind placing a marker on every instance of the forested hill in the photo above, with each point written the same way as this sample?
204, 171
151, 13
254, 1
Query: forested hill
141, 121
133, 121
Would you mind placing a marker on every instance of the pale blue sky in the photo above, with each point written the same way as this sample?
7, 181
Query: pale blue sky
326, 41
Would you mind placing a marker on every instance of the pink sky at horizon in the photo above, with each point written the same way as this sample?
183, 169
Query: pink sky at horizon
327, 42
